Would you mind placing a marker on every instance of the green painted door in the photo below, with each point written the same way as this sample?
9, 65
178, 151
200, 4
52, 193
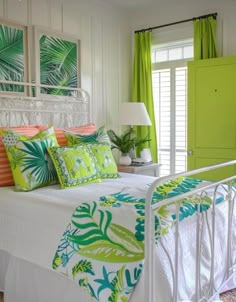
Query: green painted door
212, 114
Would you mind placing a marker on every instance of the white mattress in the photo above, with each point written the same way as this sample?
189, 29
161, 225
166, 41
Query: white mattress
31, 221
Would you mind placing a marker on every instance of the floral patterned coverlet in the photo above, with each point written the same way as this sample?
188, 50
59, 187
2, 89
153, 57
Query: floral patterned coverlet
102, 249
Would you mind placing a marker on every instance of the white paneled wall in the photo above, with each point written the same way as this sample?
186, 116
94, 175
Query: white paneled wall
105, 38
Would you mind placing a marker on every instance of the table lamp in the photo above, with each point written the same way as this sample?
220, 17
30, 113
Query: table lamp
134, 114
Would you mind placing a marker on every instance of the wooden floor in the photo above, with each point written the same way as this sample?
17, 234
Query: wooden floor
229, 296
1, 297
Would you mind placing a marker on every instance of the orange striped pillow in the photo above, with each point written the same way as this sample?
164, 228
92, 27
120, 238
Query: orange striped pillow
6, 178
85, 129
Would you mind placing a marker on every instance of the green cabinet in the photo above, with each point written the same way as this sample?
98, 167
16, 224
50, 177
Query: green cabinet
212, 114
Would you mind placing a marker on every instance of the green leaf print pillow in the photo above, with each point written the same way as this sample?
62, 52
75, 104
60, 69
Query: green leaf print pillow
98, 136
30, 162
75, 165
105, 160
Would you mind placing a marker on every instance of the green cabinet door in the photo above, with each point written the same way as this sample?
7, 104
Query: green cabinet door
212, 114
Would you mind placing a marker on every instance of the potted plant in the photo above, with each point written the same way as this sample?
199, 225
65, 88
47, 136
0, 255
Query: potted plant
124, 143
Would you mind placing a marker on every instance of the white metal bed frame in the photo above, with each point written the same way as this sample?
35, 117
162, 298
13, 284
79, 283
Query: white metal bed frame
59, 111
19, 108
67, 111
150, 243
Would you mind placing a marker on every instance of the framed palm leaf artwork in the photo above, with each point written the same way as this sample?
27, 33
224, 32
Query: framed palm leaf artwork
13, 58
58, 64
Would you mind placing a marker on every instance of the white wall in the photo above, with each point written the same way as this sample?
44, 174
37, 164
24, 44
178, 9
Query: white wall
105, 46
106, 35
175, 10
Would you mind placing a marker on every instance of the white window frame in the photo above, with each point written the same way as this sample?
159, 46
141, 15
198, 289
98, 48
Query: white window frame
170, 46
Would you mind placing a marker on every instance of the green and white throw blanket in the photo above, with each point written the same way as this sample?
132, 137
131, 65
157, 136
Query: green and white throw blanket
102, 249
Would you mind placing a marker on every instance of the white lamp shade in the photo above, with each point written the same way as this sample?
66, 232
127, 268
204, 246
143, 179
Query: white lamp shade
134, 114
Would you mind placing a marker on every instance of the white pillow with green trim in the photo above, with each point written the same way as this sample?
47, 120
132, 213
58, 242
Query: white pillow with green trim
105, 160
75, 165
30, 162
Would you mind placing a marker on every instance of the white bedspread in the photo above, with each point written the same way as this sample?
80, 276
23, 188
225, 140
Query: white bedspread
31, 221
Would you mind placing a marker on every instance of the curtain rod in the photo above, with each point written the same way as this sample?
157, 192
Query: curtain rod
177, 22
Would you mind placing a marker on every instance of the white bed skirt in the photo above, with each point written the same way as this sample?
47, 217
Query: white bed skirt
23, 281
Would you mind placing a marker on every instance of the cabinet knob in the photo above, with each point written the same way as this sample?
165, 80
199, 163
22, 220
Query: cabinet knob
190, 152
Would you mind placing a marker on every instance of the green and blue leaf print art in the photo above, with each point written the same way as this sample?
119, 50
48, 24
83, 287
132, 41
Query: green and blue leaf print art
58, 64
11, 57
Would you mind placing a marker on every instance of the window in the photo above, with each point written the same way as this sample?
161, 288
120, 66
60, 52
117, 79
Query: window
13, 61
170, 102
172, 51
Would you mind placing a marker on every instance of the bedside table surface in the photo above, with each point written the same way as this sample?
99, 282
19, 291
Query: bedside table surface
136, 169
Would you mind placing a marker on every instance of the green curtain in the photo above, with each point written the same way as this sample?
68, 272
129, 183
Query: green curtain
142, 87
205, 38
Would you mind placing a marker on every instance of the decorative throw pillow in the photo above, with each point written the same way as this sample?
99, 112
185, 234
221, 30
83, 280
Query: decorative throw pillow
75, 165
11, 137
105, 160
84, 129
30, 162
6, 178
98, 136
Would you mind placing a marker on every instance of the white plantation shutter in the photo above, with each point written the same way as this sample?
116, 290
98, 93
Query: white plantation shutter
170, 102
169, 78
162, 101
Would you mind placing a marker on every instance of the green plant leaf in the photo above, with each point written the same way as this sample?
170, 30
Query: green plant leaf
83, 266
93, 223
38, 161
125, 237
97, 231
109, 252
126, 141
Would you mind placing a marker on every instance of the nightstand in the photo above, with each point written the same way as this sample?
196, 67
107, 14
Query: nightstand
151, 169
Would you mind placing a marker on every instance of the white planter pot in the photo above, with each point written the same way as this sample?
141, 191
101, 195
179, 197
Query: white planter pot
125, 160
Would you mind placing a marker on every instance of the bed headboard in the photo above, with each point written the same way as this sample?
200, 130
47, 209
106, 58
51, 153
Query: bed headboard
59, 111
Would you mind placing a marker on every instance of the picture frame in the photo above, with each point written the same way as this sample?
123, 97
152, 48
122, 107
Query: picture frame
14, 65
57, 63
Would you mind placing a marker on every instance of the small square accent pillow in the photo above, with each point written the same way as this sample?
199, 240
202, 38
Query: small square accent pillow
30, 162
105, 160
75, 165
98, 136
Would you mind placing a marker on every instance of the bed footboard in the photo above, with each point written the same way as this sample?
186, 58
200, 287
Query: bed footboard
199, 250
